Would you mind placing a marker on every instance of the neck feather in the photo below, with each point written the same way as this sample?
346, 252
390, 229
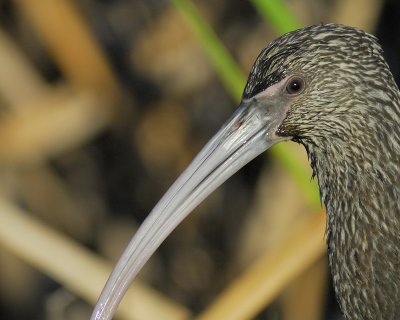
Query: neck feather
359, 181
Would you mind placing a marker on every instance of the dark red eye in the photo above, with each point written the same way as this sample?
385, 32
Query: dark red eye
295, 85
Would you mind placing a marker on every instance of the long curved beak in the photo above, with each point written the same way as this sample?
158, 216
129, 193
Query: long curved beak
249, 132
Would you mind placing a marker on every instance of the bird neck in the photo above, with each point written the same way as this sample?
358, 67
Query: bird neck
360, 187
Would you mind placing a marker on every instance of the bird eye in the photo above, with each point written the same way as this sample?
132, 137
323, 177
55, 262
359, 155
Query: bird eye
295, 85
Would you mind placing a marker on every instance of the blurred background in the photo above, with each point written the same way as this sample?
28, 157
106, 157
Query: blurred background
102, 104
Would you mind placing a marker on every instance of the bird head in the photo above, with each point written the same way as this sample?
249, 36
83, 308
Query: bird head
322, 76
300, 86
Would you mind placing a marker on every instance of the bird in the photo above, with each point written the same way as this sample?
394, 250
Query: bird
329, 88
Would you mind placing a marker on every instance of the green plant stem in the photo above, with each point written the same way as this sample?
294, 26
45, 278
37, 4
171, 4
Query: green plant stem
226, 67
277, 15
301, 175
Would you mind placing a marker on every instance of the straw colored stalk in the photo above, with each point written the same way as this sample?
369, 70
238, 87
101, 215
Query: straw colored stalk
73, 266
65, 33
262, 282
59, 125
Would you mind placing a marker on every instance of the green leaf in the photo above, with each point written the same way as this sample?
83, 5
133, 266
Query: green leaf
277, 15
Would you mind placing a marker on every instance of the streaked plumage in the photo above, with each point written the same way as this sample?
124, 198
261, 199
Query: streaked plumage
348, 119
